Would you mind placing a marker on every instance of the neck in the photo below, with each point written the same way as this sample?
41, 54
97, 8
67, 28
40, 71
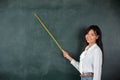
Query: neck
91, 44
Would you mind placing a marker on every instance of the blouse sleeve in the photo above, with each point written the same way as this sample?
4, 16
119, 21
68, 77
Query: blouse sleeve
97, 65
75, 64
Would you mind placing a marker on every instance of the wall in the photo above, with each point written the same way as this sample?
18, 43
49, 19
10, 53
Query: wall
28, 53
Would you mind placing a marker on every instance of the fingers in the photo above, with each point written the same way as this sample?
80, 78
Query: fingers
66, 55
63, 51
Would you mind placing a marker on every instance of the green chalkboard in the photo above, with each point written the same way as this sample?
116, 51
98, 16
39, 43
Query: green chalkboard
28, 53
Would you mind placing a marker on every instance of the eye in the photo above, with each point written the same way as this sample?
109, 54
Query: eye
93, 34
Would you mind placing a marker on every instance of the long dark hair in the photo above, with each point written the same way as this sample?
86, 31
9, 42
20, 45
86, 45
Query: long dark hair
98, 32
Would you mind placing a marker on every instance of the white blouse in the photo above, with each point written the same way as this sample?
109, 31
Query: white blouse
90, 61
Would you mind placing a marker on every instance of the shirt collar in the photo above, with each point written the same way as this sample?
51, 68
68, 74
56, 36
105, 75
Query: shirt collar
89, 48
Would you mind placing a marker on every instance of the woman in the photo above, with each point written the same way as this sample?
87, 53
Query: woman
91, 59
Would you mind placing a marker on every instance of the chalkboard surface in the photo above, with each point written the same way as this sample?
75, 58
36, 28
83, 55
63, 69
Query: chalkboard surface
28, 53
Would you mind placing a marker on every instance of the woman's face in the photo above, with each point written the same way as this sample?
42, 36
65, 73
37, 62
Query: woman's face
91, 37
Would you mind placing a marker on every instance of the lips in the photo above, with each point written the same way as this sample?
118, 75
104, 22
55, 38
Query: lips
88, 40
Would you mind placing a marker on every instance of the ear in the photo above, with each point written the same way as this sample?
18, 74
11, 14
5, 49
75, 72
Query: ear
97, 37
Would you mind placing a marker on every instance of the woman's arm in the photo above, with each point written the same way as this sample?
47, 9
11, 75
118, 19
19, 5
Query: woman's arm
97, 65
72, 61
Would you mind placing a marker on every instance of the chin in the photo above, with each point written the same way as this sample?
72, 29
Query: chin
88, 41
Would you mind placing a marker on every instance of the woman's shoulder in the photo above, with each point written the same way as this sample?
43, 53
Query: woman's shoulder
97, 49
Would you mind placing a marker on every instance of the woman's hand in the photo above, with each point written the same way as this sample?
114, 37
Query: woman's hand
66, 55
